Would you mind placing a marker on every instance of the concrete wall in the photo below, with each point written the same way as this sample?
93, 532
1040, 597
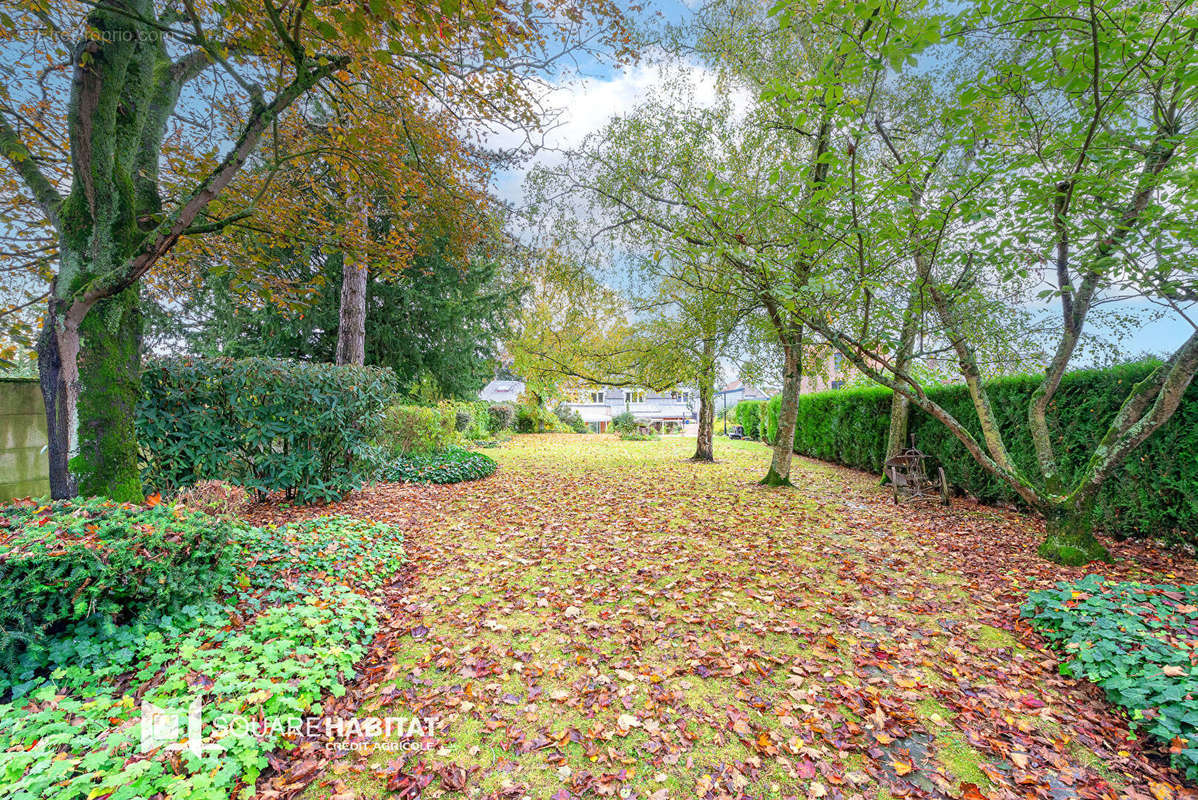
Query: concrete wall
24, 467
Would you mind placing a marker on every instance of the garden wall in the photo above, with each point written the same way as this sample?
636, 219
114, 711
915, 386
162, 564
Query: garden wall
1154, 492
24, 464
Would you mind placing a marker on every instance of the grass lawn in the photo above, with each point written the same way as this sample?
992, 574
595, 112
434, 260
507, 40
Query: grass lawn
602, 617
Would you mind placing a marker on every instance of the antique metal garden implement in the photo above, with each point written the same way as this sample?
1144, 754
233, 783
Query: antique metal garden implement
909, 476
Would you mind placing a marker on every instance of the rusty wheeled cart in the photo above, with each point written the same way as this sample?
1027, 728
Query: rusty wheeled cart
909, 477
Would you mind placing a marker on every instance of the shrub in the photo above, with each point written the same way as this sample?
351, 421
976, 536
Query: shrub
537, 419
69, 560
451, 466
1151, 493
418, 430
473, 419
637, 436
282, 634
502, 417
264, 424
570, 418
1135, 641
624, 422
748, 415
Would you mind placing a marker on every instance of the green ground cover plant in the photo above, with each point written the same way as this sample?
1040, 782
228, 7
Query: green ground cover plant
1136, 641
65, 561
281, 629
452, 465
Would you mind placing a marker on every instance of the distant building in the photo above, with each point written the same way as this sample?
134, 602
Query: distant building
733, 393
597, 405
502, 391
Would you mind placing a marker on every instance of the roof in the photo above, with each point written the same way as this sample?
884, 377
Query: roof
501, 391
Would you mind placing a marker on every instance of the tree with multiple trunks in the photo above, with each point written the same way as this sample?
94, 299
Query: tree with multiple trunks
122, 120
1077, 144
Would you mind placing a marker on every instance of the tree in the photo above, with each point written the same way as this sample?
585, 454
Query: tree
440, 321
1081, 135
119, 177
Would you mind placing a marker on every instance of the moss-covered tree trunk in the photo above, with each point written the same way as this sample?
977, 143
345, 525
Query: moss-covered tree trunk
788, 413
900, 406
1069, 533
112, 228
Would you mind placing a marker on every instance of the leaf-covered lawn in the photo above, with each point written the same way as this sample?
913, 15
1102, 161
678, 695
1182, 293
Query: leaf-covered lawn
603, 617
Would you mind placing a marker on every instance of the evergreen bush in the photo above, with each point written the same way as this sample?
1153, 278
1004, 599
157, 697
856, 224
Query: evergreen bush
748, 416
263, 424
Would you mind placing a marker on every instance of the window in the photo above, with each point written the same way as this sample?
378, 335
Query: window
635, 396
837, 384
838, 363
595, 397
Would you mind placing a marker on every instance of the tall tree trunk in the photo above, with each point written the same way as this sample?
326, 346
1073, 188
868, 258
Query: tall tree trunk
704, 448
351, 329
109, 386
788, 413
900, 406
59, 393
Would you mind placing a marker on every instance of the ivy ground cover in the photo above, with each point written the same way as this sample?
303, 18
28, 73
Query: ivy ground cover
607, 619
288, 613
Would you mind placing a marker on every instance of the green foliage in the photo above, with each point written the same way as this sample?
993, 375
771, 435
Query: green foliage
460, 308
769, 415
570, 418
266, 425
624, 422
1152, 493
70, 560
748, 415
410, 430
637, 436
1136, 641
473, 419
502, 417
453, 465
531, 418
289, 623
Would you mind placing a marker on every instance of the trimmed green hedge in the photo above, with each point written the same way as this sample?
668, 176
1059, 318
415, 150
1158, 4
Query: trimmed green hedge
1154, 492
418, 430
748, 416
264, 424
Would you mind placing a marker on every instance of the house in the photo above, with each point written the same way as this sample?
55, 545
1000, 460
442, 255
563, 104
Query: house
597, 405
733, 393
502, 391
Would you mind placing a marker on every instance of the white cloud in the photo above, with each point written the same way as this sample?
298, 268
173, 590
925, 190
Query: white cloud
584, 105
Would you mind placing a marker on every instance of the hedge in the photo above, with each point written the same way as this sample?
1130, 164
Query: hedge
748, 416
1154, 492
265, 424
418, 430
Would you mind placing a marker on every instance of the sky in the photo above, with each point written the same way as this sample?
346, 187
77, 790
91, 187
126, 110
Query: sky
596, 93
